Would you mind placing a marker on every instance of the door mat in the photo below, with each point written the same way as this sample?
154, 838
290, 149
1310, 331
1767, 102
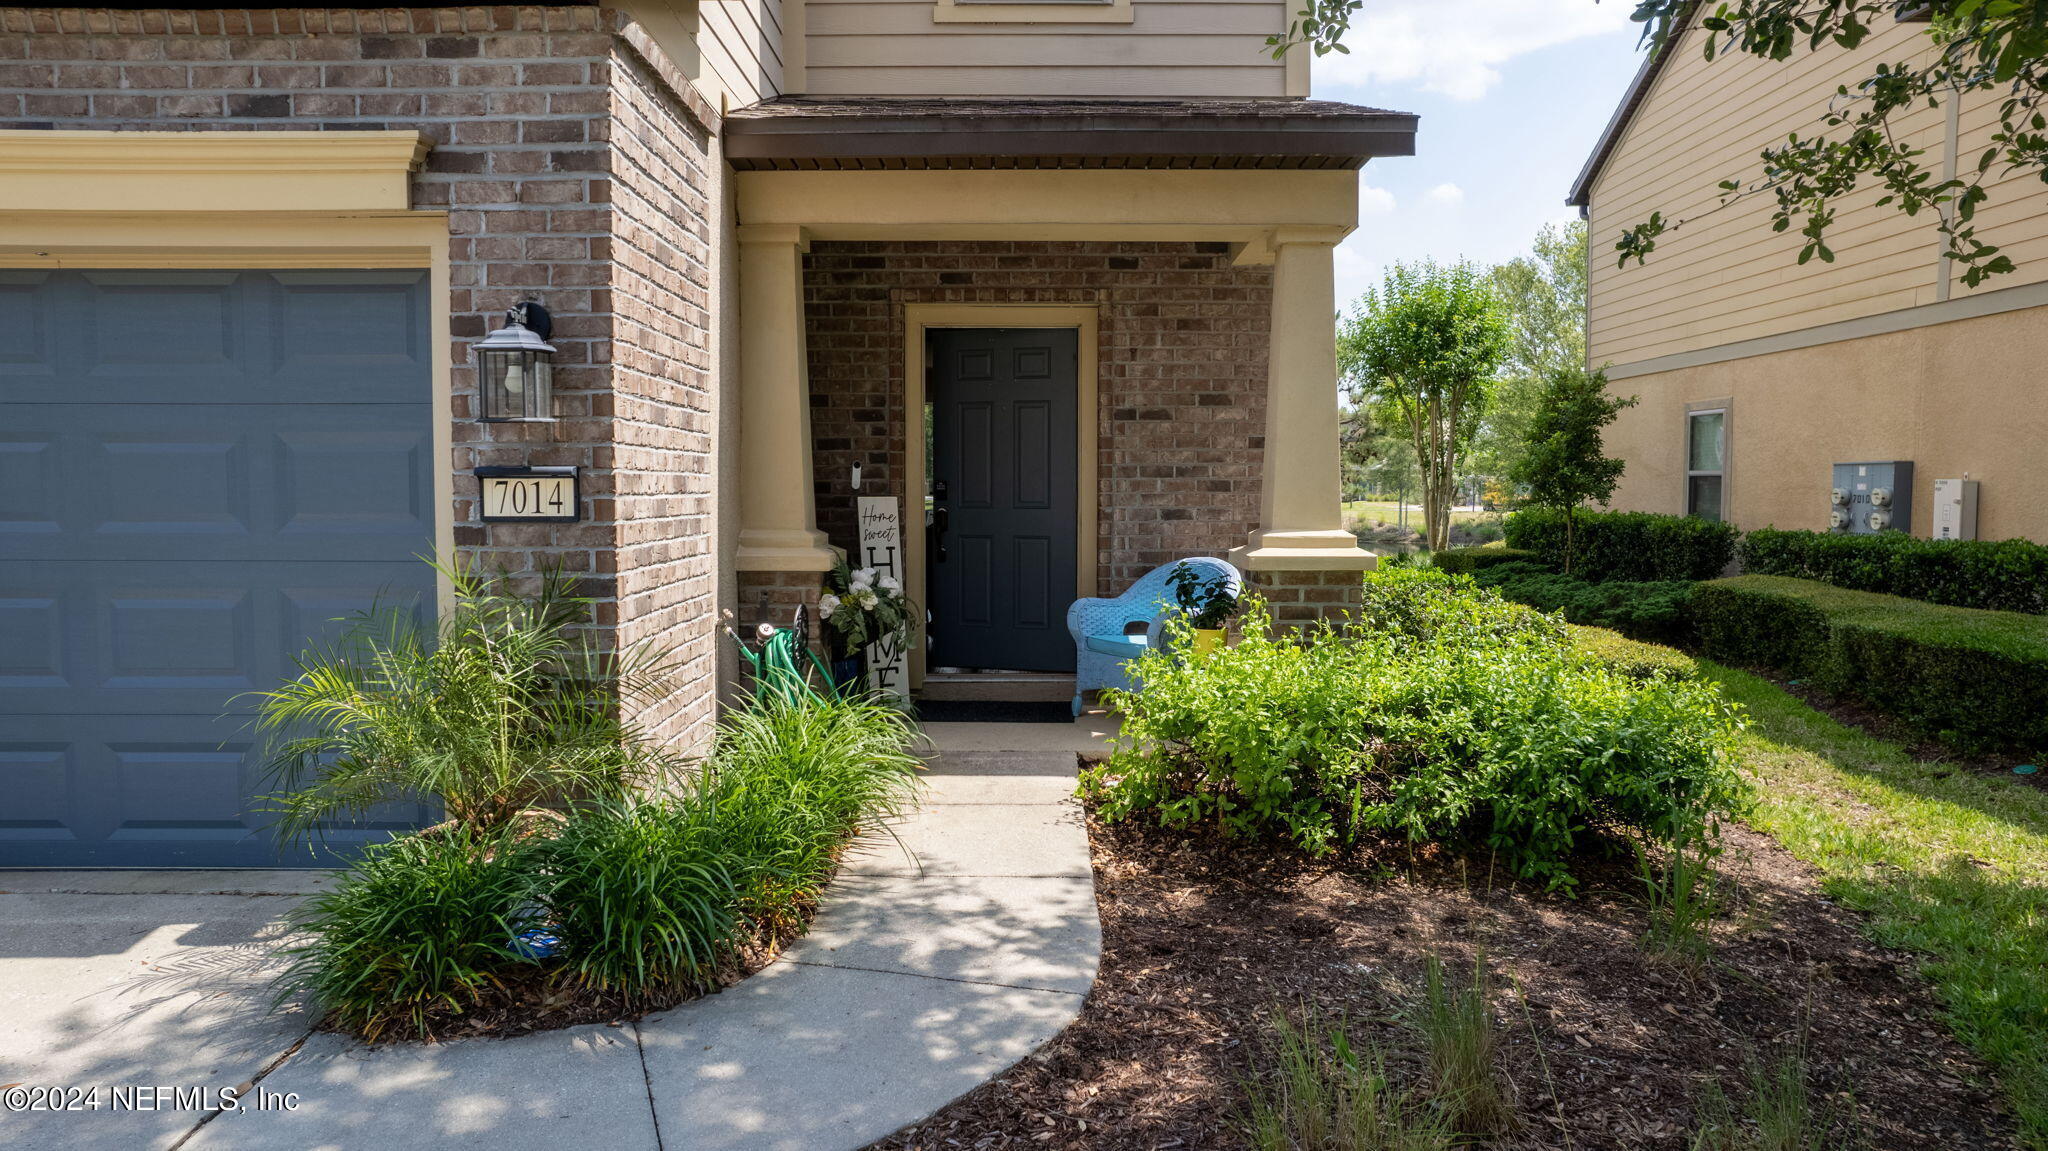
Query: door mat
994, 711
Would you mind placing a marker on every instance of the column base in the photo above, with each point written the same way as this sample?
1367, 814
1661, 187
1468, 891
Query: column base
785, 550
1303, 551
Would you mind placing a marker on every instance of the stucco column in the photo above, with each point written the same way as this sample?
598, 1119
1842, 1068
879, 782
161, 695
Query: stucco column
778, 509
1301, 515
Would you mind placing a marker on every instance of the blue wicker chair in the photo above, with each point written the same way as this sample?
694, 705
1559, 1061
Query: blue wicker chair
1102, 646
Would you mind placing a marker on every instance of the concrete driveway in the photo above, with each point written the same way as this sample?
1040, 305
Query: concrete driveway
945, 952
132, 979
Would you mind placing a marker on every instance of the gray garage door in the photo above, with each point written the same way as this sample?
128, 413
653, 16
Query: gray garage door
199, 472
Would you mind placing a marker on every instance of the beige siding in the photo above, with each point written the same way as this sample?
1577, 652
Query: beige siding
1170, 48
731, 49
1958, 399
1724, 276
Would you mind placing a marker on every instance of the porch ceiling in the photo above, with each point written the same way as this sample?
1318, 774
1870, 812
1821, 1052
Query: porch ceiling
806, 133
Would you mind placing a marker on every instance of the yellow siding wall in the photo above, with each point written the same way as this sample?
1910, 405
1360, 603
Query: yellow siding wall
1170, 48
1725, 277
1958, 399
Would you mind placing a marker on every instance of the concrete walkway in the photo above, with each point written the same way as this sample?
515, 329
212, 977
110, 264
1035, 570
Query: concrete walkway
944, 954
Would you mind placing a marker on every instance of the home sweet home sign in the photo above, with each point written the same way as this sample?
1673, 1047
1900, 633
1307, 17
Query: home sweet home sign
881, 547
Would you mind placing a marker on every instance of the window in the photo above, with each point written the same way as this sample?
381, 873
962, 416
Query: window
1706, 463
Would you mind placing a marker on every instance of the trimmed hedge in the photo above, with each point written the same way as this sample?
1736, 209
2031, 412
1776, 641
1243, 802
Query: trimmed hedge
1655, 610
1637, 546
1465, 561
1974, 679
1632, 658
2006, 575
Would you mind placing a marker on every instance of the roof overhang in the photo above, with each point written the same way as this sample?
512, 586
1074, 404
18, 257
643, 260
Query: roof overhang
1638, 91
799, 132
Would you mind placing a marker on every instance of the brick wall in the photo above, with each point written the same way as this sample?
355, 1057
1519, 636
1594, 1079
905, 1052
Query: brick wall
574, 171
1303, 597
1182, 367
663, 399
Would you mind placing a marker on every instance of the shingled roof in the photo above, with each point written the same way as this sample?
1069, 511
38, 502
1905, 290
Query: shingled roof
880, 132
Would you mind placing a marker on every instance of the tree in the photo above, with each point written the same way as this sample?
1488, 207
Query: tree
1565, 464
1994, 48
1545, 297
1422, 351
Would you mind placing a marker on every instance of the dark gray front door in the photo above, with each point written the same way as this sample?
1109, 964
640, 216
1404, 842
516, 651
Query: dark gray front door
199, 471
1004, 488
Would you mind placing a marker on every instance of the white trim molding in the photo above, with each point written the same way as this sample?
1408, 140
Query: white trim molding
96, 171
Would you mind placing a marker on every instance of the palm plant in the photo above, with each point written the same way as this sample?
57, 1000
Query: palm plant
505, 706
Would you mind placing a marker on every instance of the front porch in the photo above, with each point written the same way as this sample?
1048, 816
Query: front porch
1131, 351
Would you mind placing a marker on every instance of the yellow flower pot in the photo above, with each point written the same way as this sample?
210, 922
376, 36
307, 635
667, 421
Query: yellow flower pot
1208, 640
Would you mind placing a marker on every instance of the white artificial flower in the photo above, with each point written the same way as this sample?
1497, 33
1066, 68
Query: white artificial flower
861, 580
892, 585
827, 604
867, 600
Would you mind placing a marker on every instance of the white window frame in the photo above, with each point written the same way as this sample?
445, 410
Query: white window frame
1724, 409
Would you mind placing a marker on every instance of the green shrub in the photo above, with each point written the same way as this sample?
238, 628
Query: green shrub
2007, 575
1632, 658
1655, 611
644, 896
1976, 679
503, 706
1444, 713
647, 897
791, 782
419, 929
1465, 561
1639, 546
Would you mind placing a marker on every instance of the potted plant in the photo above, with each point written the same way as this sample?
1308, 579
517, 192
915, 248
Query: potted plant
1207, 604
862, 607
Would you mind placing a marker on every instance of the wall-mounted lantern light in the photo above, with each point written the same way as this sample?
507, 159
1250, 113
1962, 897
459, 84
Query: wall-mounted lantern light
515, 367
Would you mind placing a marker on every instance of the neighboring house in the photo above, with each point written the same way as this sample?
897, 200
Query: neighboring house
247, 254
1759, 375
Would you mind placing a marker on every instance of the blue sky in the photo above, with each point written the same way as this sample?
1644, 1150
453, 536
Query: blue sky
1512, 94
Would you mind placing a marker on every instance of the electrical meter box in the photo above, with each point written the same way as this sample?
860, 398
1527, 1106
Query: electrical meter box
1872, 497
1955, 509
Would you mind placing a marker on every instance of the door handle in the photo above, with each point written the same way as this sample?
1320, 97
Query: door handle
941, 517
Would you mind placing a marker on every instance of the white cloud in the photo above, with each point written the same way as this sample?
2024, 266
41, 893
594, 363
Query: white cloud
1457, 49
1446, 195
1374, 201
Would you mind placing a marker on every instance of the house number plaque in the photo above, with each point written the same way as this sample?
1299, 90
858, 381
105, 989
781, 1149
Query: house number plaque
528, 495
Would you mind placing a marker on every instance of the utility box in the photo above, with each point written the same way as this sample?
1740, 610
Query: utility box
1955, 509
1871, 497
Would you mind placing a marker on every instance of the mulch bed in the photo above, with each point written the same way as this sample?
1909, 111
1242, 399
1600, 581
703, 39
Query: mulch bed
1605, 1045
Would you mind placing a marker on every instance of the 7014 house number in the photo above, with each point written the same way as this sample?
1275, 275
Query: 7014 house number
528, 494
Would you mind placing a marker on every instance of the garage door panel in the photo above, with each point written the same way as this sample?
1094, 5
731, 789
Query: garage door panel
180, 338
30, 486
170, 638
40, 779
147, 791
200, 471
304, 482
360, 482
164, 325
363, 339
28, 340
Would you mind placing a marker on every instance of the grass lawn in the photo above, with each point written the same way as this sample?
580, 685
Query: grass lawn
1947, 861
